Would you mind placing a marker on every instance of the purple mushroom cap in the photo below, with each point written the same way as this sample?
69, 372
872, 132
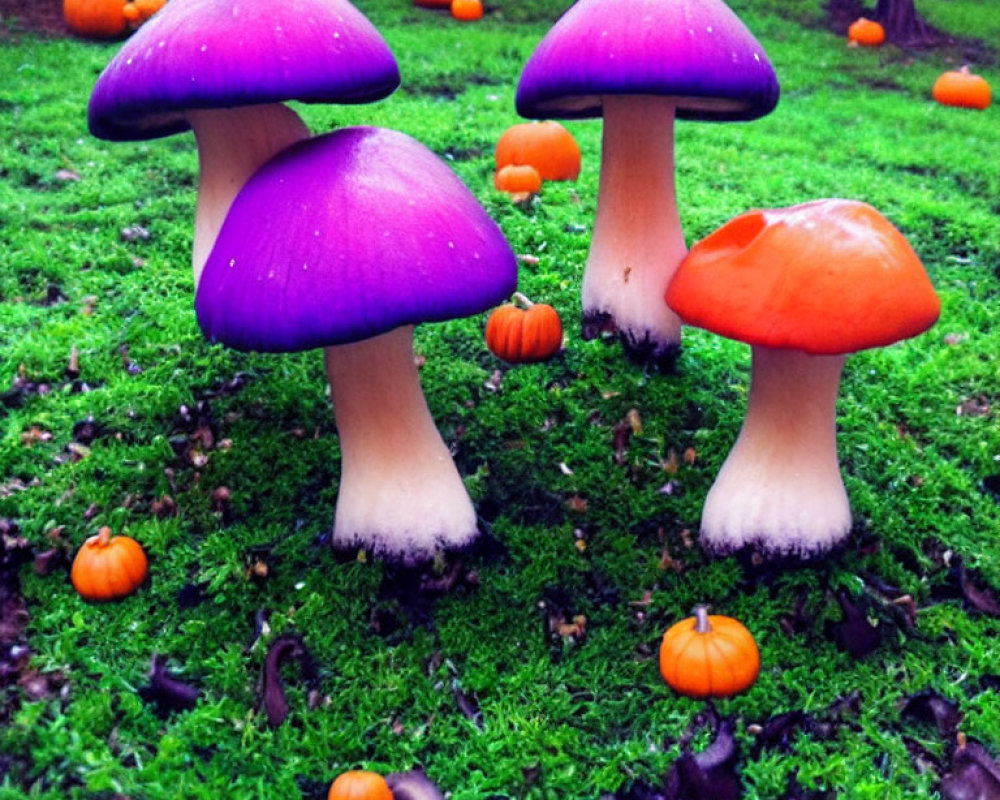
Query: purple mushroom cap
345, 236
225, 53
697, 51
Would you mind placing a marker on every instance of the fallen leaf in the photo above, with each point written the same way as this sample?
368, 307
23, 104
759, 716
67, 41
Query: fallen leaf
495, 382
285, 647
165, 691
978, 406
34, 435
974, 775
134, 233
73, 366
779, 731
621, 434
577, 504
412, 785
712, 773
468, 705
164, 507
980, 598
855, 634
931, 708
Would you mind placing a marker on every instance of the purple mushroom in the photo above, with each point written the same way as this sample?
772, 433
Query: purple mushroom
346, 241
224, 69
640, 64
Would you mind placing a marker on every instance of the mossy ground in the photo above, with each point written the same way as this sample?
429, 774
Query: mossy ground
580, 521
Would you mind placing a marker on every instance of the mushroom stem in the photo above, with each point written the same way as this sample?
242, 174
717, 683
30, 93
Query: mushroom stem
400, 492
637, 241
780, 488
232, 144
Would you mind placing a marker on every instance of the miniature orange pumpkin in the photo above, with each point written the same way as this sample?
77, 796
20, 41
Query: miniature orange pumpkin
147, 8
519, 181
865, 32
108, 567
95, 19
959, 87
359, 785
547, 146
709, 655
467, 10
524, 334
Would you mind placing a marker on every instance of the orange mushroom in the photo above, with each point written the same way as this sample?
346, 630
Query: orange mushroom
961, 88
547, 146
804, 286
521, 182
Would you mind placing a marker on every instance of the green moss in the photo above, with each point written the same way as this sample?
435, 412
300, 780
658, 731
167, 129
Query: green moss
586, 522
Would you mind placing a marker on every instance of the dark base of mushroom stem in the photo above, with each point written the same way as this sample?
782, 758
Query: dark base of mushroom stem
760, 555
434, 566
640, 347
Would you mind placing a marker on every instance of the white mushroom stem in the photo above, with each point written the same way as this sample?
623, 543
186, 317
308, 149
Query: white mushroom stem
637, 241
232, 144
780, 488
400, 492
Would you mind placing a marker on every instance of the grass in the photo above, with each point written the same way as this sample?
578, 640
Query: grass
577, 530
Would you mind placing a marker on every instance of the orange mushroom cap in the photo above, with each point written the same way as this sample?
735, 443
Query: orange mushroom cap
827, 277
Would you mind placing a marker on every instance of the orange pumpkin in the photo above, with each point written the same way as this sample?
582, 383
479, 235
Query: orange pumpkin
467, 10
520, 181
95, 19
547, 146
147, 8
524, 333
961, 88
108, 567
709, 655
865, 32
359, 785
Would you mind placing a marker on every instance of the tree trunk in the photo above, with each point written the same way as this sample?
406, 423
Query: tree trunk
903, 25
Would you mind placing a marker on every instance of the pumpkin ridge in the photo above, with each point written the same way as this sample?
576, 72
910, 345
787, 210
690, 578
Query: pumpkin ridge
678, 653
721, 659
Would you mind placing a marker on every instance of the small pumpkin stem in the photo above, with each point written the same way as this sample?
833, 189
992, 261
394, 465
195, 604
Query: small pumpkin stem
523, 300
701, 619
103, 536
